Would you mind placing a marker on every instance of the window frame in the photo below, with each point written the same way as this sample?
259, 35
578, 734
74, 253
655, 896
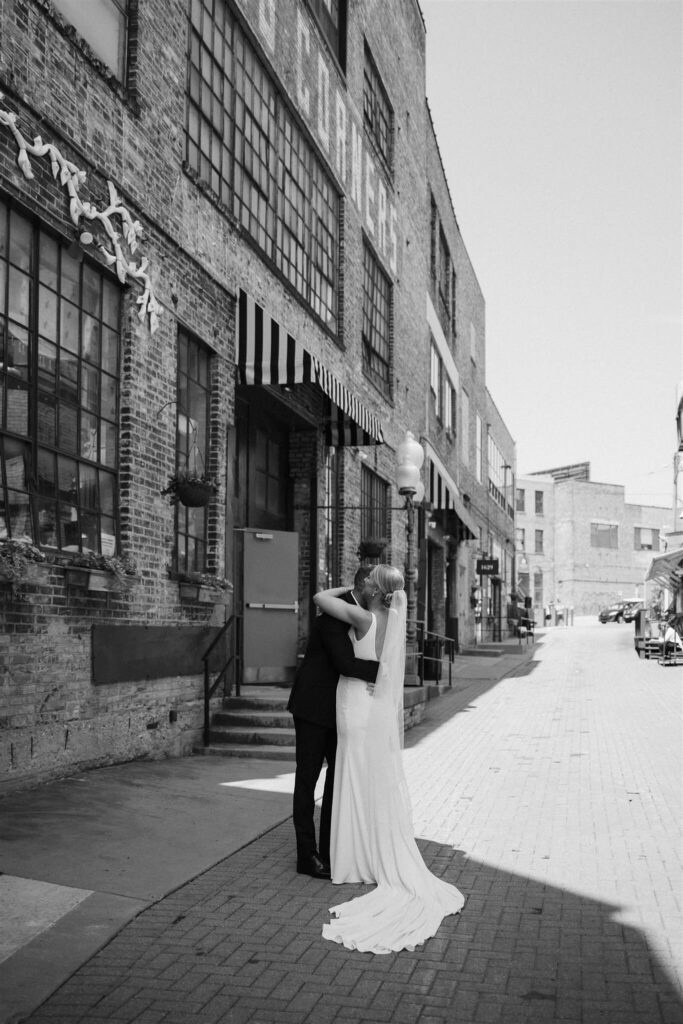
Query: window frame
639, 545
597, 532
375, 359
334, 35
68, 313
378, 111
448, 403
185, 519
63, 9
374, 500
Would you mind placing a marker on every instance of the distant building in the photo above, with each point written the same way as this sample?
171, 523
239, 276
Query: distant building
580, 543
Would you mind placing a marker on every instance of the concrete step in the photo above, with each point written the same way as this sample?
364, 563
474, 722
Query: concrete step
259, 717
271, 701
240, 736
266, 752
481, 652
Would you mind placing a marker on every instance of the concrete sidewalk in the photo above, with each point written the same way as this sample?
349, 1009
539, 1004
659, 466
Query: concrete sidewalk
82, 857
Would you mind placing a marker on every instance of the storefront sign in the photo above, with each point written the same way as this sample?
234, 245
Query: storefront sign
487, 566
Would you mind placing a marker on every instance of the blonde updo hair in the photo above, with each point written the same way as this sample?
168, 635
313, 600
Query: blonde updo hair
387, 579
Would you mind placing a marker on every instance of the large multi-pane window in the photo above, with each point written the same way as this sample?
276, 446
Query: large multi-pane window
252, 158
538, 502
376, 321
443, 273
374, 520
59, 383
244, 142
103, 24
604, 535
377, 112
331, 16
192, 447
538, 542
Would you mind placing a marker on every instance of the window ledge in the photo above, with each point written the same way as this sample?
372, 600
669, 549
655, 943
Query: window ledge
197, 593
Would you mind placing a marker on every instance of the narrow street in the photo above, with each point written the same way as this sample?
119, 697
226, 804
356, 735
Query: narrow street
551, 798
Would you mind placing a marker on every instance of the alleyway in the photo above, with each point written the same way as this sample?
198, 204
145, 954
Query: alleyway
551, 798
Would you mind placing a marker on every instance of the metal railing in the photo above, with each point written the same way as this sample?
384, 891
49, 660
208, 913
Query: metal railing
235, 659
431, 650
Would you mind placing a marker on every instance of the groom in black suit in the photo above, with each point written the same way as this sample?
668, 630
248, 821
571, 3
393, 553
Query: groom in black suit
312, 702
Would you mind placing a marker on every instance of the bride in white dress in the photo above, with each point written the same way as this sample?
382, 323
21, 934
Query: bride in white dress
372, 831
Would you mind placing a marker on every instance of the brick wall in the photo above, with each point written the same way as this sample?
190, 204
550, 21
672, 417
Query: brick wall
52, 719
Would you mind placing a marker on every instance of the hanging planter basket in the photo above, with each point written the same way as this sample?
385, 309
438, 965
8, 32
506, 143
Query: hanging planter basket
190, 490
195, 495
372, 547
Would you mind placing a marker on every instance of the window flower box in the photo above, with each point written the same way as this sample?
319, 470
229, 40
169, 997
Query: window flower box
76, 578
103, 581
195, 593
99, 573
203, 588
20, 562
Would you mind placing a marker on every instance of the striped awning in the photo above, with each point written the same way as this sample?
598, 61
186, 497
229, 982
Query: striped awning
267, 354
667, 570
442, 493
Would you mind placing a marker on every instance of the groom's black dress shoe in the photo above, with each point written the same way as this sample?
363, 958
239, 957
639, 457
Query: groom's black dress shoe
313, 866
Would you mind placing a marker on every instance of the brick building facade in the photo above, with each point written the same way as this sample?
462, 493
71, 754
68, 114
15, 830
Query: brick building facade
466, 434
215, 237
583, 544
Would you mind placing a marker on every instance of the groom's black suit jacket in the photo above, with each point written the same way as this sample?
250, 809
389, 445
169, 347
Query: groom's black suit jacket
329, 654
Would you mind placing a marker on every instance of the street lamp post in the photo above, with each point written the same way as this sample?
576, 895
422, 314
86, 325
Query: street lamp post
410, 457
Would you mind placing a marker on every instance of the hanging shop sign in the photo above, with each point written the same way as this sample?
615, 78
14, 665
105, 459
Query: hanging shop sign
487, 566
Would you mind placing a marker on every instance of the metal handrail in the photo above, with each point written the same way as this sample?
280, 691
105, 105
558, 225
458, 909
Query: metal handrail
234, 659
450, 649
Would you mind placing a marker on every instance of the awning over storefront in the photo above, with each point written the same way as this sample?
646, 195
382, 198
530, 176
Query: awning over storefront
667, 570
442, 492
267, 354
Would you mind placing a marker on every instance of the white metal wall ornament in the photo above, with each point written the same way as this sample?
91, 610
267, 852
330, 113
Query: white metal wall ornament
72, 178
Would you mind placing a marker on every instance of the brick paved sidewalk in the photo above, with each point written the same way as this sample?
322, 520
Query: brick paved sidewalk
550, 798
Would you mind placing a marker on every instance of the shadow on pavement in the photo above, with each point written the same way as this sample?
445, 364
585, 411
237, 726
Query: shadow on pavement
242, 943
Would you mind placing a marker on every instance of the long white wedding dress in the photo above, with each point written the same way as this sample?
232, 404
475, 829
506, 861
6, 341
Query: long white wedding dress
372, 831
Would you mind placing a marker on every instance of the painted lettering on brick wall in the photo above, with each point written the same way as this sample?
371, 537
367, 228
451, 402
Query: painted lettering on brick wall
325, 108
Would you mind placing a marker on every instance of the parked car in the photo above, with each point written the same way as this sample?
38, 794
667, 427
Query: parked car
631, 610
613, 613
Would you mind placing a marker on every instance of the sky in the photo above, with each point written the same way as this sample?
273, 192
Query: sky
559, 124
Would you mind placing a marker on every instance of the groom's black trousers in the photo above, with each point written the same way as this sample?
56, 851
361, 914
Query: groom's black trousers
314, 745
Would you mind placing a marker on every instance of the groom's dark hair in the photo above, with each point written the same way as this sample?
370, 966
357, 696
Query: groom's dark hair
362, 573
